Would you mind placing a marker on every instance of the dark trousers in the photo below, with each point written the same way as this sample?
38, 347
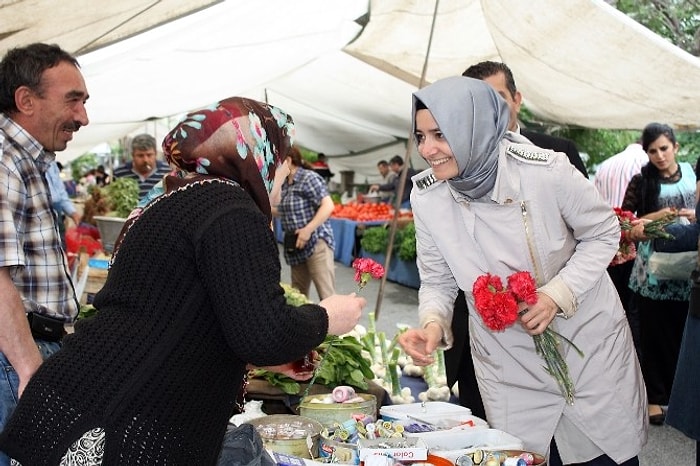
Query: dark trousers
662, 324
458, 360
604, 460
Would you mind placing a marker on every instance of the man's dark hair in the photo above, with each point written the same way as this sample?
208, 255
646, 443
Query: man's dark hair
485, 69
24, 66
382, 162
396, 159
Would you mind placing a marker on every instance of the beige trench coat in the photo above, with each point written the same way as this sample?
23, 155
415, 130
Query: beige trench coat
542, 217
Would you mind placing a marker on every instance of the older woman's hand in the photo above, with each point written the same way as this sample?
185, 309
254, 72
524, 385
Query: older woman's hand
344, 311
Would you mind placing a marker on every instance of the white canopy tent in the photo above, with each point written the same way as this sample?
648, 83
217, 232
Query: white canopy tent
348, 87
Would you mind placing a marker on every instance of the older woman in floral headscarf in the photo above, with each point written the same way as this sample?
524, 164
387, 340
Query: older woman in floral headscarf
192, 296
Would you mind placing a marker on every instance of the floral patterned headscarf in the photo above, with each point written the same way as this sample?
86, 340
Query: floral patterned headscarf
239, 139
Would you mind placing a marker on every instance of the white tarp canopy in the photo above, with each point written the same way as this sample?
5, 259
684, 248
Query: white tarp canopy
579, 62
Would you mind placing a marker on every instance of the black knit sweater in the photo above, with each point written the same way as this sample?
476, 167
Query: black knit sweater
192, 296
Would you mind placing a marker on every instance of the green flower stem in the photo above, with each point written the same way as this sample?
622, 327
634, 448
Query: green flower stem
316, 371
441, 370
547, 346
382, 347
429, 376
371, 325
394, 373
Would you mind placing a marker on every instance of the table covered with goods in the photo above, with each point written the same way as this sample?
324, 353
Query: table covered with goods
412, 419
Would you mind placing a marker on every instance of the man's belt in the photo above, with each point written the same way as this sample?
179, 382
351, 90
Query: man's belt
45, 327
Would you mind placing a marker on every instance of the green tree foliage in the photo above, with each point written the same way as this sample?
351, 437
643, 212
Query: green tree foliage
679, 22
676, 20
83, 164
598, 144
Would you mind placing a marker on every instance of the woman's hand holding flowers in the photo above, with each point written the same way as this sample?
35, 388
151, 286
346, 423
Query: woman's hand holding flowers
536, 318
500, 306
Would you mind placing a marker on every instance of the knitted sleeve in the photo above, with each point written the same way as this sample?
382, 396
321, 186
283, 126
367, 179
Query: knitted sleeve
239, 264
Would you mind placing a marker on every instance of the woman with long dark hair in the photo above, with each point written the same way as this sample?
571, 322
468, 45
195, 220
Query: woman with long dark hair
663, 187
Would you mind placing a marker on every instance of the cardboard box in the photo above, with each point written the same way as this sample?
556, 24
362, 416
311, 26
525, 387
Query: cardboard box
400, 449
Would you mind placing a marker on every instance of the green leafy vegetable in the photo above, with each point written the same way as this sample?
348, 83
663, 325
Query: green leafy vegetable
123, 195
343, 362
286, 384
293, 296
406, 242
375, 240
86, 310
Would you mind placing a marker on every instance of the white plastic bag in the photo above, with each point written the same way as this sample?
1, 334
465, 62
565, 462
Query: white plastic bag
672, 265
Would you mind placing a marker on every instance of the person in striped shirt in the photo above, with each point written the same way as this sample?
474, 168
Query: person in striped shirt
615, 173
144, 166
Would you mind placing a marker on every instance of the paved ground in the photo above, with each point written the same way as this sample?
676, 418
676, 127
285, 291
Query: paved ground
399, 304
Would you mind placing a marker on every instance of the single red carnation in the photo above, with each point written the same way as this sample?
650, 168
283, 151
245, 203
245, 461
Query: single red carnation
523, 286
366, 268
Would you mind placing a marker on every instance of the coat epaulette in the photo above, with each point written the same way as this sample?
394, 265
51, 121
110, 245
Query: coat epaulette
530, 154
424, 180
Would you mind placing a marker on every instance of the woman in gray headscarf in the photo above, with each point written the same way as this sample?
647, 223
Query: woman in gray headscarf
492, 203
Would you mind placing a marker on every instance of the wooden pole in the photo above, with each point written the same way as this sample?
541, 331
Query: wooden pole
404, 174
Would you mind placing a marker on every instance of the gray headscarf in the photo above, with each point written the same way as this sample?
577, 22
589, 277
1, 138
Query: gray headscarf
473, 118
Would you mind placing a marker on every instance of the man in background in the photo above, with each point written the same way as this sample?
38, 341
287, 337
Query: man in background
392, 187
144, 166
500, 77
42, 103
387, 178
458, 359
386, 173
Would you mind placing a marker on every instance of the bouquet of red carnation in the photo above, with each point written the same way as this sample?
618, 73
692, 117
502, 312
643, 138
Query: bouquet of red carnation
498, 306
627, 250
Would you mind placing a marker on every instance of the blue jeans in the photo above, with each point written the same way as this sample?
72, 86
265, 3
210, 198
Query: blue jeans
9, 384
